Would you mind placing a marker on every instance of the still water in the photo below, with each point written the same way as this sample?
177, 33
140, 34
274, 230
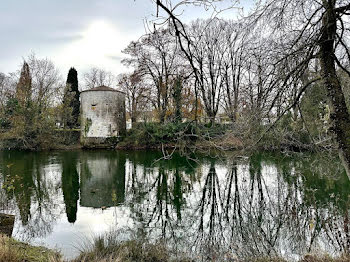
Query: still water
264, 204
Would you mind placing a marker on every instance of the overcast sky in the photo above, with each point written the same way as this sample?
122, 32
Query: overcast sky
79, 33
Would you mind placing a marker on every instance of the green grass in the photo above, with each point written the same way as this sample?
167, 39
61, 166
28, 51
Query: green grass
107, 249
15, 251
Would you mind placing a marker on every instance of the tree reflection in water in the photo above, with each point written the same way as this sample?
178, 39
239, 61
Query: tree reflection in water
262, 205
29, 181
70, 184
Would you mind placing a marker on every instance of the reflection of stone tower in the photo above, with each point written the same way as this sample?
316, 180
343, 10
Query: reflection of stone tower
102, 179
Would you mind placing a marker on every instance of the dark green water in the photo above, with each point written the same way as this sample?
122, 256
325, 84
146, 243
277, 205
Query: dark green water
219, 208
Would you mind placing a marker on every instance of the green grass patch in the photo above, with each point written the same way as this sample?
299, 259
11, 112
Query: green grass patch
15, 251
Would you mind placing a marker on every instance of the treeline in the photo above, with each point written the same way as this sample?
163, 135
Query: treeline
298, 35
254, 79
34, 102
264, 87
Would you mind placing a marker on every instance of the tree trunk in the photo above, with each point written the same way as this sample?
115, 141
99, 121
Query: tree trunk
133, 111
340, 119
235, 106
211, 119
133, 119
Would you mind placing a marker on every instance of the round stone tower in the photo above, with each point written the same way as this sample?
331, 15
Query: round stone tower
103, 120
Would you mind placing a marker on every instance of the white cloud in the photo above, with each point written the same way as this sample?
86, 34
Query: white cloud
99, 41
79, 33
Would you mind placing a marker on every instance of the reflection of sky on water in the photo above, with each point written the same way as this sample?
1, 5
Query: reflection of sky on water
69, 238
244, 207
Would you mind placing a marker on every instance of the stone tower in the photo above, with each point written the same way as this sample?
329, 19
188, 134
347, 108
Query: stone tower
103, 120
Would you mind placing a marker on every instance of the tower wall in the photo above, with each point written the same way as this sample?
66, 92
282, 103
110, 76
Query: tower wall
102, 117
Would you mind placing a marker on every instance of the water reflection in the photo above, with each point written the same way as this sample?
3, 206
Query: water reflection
261, 205
70, 184
29, 189
102, 179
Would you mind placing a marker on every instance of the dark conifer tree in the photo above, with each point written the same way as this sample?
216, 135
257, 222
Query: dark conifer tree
73, 98
24, 86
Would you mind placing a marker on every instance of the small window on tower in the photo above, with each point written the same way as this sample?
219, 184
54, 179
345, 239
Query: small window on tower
93, 106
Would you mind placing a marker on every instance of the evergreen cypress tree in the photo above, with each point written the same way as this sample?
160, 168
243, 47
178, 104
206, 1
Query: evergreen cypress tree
24, 86
72, 96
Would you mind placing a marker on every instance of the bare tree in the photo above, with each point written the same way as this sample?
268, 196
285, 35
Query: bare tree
6, 89
137, 94
30, 117
156, 57
2, 89
308, 30
208, 53
234, 68
99, 77
47, 83
315, 31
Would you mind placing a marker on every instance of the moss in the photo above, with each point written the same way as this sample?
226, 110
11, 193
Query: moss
15, 251
87, 126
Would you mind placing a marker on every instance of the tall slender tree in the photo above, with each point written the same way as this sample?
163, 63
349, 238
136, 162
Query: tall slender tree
71, 97
24, 86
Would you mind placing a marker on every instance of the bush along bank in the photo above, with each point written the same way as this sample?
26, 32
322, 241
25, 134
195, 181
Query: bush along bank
237, 136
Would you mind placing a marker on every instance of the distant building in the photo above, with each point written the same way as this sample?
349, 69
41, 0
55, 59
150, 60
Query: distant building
102, 116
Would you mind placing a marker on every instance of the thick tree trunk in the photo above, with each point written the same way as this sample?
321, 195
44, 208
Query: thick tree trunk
162, 116
235, 106
211, 119
339, 114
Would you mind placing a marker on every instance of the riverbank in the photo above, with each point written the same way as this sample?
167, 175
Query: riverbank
15, 251
198, 136
190, 136
129, 251
108, 249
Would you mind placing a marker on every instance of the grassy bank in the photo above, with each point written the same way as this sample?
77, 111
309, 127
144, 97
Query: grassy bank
15, 251
108, 250
128, 251
137, 251
57, 139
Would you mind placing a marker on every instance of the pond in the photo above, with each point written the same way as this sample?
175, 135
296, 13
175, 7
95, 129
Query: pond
265, 204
